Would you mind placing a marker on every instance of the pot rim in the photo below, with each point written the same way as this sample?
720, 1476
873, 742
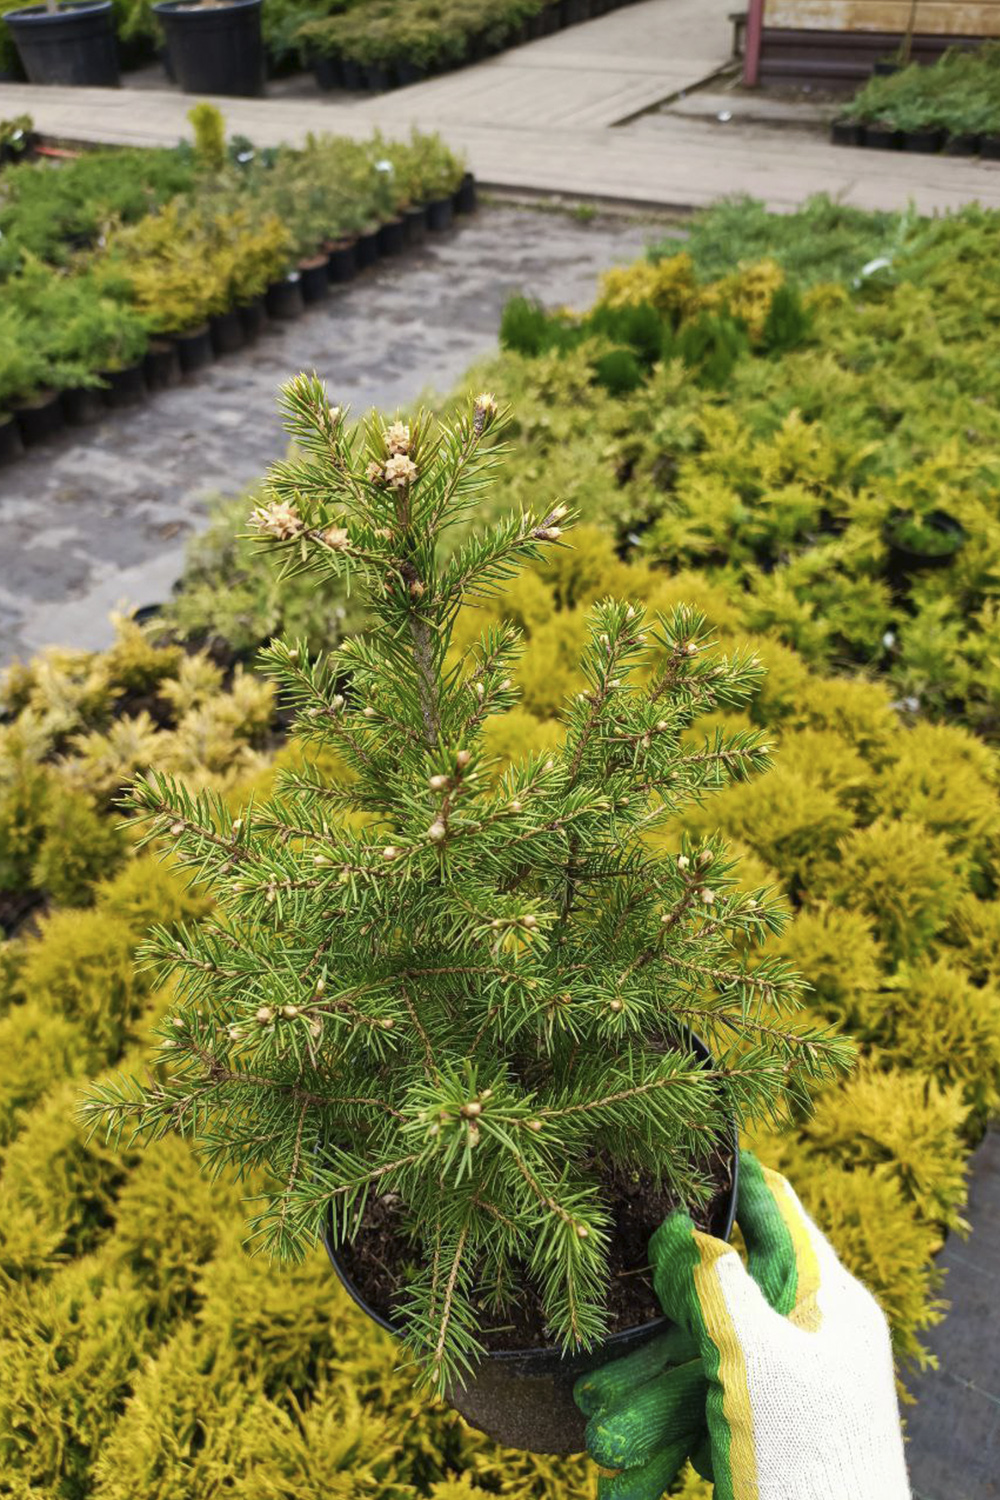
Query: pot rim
199, 13
548, 1350
38, 15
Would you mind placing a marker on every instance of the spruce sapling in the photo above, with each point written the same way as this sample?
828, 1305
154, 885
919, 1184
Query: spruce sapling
467, 989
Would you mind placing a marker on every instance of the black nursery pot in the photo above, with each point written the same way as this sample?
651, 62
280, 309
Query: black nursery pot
40, 419
252, 316
328, 73
342, 264
408, 72
194, 349
226, 332
847, 133
464, 196
416, 225
392, 237
989, 147
440, 215
375, 78
927, 141
572, 12
350, 75
962, 145
74, 45
881, 137
82, 404
215, 49
314, 278
366, 249
11, 446
523, 1398
162, 365
284, 298
125, 387
903, 560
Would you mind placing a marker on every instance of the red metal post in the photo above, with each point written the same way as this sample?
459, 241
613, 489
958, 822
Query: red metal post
751, 46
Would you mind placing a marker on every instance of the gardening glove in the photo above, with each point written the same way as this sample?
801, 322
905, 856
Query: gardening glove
800, 1400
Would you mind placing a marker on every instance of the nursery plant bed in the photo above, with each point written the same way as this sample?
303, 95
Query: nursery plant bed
194, 349
215, 48
40, 418
73, 45
521, 1393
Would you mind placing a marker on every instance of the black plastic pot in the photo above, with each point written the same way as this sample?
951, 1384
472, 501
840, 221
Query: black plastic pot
392, 237
375, 78
523, 1398
366, 249
885, 67
927, 141
572, 12
194, 349
407, 73
440, 215
962, 145
549, 20
40, 419
989, 147
464, 197
882, 137
214, 49
73, 45
226, 332
253, 316
342, 263
847, 133
284, 298
11, 446
82, 404
162, 366
125, 387
350, 75
314, 278
328, 73
416, 225
904, 561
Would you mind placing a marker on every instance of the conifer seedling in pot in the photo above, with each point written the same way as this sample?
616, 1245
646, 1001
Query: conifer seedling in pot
451, 1009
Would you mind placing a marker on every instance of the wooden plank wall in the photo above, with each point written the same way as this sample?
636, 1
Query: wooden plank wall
951, 18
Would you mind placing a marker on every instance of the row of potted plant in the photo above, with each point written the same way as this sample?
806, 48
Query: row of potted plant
200, 276
223, 46
953, 105
380, 44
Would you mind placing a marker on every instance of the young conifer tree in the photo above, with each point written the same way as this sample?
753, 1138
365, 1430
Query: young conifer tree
468, 989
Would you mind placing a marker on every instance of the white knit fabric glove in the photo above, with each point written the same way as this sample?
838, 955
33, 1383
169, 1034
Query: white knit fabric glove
791, 1357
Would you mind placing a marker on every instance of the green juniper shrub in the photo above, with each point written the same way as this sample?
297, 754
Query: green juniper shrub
489, 1017
618, 372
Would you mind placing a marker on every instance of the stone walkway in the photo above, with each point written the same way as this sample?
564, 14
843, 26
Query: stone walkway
564, 115
954, 1431
101, 517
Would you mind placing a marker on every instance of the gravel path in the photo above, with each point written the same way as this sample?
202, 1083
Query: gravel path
100, 517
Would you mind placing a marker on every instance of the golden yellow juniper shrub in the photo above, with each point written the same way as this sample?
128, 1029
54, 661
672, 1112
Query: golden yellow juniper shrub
82, 967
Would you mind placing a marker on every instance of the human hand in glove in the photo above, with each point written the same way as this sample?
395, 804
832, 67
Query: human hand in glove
777, 1380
